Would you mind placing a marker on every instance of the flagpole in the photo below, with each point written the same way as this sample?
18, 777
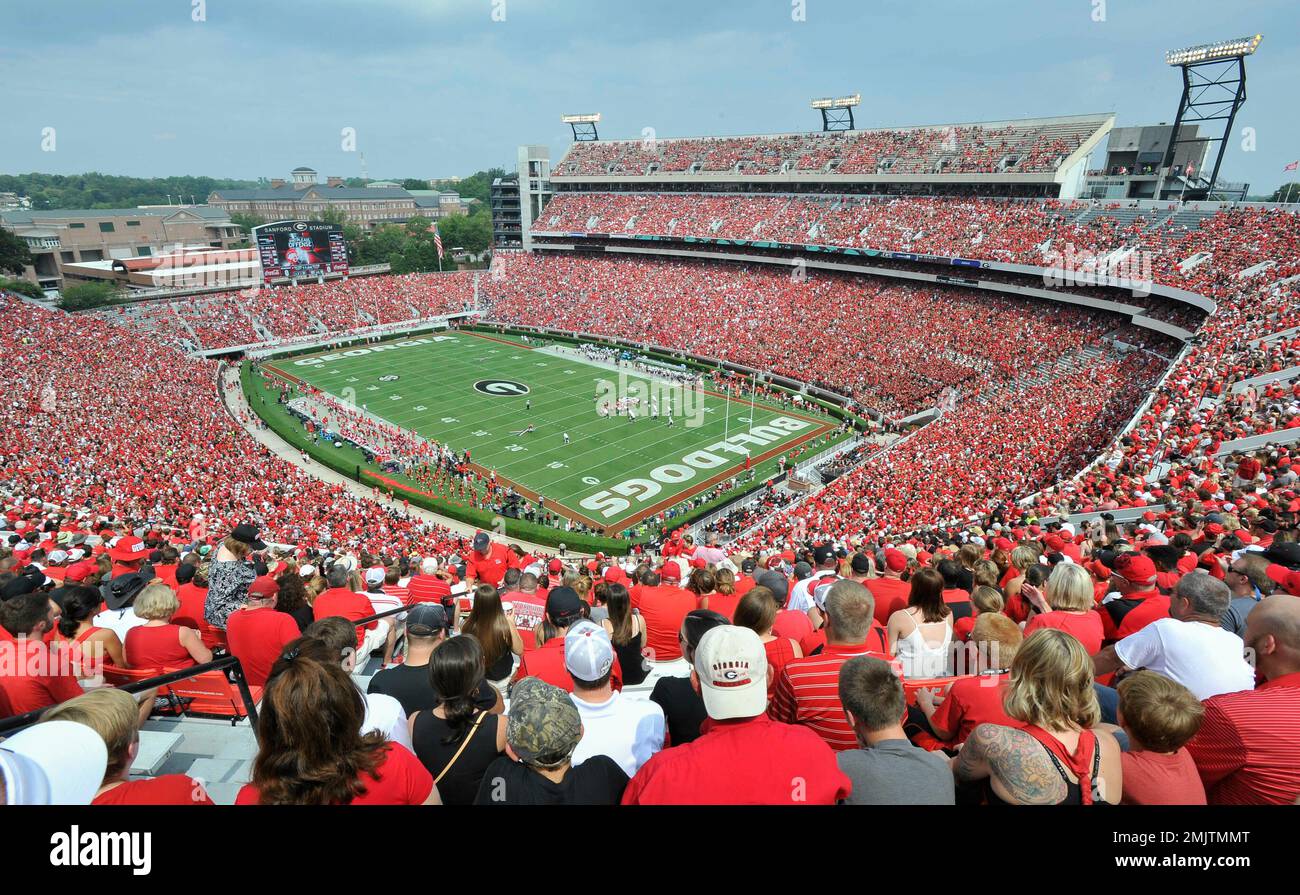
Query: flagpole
726, 426
753, 389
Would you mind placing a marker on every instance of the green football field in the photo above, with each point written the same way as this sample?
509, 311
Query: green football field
478, 393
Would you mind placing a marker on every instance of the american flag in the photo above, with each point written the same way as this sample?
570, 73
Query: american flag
1292, 166
437, 239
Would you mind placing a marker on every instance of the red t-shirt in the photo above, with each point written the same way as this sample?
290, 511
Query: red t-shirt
167, 575
793, 624
427, 589
1085, 628
888, 591
663, 608
38, 679
192, 599
170, 789
547, 662
1161, 778
156, 647
256, 637
346, 603
724, 604
971, 702
490, 569
750, 761
399, 779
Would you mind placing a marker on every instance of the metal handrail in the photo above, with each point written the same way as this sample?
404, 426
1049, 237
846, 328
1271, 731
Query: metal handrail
8, 725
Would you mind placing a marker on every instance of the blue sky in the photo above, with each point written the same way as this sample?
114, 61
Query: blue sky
442, 87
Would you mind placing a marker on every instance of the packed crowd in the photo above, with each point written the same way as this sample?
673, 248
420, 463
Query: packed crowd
148, 438
279, 313
892, 347
1019, 664
963, 149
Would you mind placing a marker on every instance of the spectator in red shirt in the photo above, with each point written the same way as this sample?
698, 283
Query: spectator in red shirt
341, 600
563, 610
1066, 604
297, 765
1134, 578
807, 691
431, 585
115, 717
889, 589
257, 633
977, 699
37, 677
757, 611
1159, 716
58, 763
663, 605
743, 757
488, 561
159, 643
1246, 748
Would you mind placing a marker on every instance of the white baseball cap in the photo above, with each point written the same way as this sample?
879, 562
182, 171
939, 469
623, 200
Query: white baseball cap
429, 565
54, 763
375, 576
732, 667
588, 652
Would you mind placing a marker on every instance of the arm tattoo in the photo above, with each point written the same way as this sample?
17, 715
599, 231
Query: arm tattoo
1016, 760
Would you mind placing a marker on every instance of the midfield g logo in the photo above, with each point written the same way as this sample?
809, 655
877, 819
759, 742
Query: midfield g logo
501, 388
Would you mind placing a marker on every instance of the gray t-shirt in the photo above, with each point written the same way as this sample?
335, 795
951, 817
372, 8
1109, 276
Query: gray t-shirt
1234, 617
894, 772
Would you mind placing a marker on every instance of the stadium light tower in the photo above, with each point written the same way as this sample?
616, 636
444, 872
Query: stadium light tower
1214, 88
837, 111
584, 127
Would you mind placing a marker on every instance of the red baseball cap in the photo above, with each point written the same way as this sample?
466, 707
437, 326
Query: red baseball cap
1054, 543
895, 560
80, 571
670, 571
263, 586
1136, 567
556, 567
1289, 580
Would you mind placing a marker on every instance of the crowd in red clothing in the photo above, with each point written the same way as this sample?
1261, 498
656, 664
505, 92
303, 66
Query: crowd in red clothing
892, 347
279, 313
104, 421
959, 149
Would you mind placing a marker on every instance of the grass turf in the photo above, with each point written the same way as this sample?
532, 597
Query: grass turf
611, 474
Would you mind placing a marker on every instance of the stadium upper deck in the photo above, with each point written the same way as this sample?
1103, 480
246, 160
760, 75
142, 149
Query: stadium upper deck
1042, 151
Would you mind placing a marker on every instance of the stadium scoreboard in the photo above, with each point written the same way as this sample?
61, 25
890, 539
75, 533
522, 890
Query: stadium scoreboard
300, 249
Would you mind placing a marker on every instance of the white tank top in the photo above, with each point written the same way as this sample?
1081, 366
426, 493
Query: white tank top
921, 660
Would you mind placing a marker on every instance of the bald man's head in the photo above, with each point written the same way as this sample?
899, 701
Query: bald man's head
1273, 633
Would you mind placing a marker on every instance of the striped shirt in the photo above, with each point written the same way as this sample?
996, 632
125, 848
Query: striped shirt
427, 589
807, 693
1246, 748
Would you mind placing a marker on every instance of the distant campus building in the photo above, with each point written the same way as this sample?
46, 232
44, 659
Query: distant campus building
303, 198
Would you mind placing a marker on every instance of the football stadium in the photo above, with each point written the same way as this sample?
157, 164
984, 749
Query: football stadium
923, 464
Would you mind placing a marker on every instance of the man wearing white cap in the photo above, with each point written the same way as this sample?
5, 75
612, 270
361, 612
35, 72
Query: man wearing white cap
742, 757
55, 763
627, 729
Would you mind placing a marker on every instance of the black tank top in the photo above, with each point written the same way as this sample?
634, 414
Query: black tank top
460, 784
501, 668
1073, 793
635, 669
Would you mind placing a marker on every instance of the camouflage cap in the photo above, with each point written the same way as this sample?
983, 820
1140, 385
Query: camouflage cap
543, 726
